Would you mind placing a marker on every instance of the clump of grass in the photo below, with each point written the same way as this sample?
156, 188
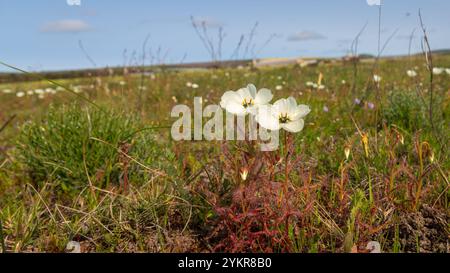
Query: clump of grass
405, 110
75, 146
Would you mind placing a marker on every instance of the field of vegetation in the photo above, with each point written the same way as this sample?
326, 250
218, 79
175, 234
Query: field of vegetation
91, 162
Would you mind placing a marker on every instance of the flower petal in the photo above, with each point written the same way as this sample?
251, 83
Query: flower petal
264, 96
266, 119
235, 108
300, 112
280, 106
294, 126
252, 90
229, 96
244, 93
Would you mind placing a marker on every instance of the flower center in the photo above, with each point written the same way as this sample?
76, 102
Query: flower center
284, 118
247, 102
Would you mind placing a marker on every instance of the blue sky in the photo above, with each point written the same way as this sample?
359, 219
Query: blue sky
45, 34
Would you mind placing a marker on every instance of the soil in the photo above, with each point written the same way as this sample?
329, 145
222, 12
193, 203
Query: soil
426, 231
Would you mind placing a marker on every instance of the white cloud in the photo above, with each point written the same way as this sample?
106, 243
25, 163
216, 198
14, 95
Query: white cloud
68, 26
373, 2
305, 36
207, 22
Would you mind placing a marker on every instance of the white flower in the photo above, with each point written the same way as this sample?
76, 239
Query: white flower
20, 94
7, 91
30, 92
411, 73
244, 174
278, 87
189, 84
194, 85
309, 84
447, 70
245, 100
320, 87
376, 78
39, 91
438, 70
284, 113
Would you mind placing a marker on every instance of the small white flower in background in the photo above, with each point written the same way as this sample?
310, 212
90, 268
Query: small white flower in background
73, 247
30, 92
343, 82
20, 94
41, 96
310, 84
411, 73
284, 113
77, 89
39, 91
370, 105
194, 85
7, 91
347, 152
447, 70
321, 87
279, 77
325, 109
376, 78
174, 99
438, 70
245, 100
278, 87
189, 84
357, 101
374, 247
244, 174
122, 83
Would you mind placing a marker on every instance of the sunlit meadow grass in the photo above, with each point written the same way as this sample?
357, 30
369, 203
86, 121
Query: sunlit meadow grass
368, 166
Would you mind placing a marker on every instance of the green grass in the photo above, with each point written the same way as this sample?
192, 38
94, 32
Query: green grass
113, 179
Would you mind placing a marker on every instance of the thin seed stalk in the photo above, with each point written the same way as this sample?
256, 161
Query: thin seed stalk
286, 154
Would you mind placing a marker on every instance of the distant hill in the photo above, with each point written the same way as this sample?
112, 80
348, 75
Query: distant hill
441, 51
71, 74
